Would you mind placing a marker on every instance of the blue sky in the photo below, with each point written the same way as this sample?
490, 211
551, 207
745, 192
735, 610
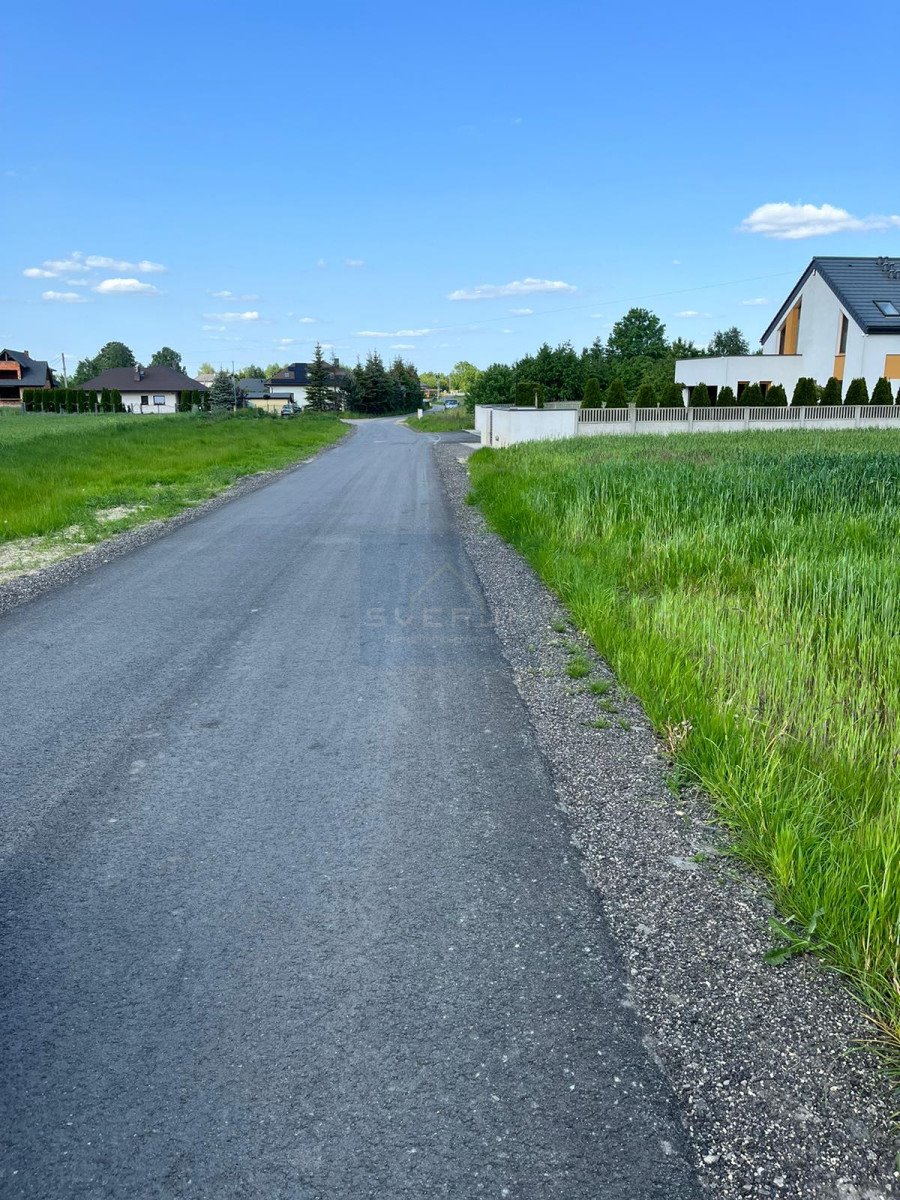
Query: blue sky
465, 180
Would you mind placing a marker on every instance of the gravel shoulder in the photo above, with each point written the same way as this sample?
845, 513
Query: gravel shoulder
778, 1097
68, 559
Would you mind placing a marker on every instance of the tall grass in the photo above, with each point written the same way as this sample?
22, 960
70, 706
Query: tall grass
58, 471
750, 585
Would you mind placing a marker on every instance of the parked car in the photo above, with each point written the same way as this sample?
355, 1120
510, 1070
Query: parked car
451, 404
288, 410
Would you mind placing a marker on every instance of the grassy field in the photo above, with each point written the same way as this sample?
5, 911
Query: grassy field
454, 421
746, 587
59, 472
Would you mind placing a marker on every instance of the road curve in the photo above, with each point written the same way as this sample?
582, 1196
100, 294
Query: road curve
288, 910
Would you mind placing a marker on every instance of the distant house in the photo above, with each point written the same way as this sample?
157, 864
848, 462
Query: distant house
291, 383
146, 389
841, 319
19, 370
254, 389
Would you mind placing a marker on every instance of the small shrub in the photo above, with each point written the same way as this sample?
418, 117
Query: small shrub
592, 396
857, 392
776, 396
832, 392
616, 396
578, 668
646, 397
805, 392
540, 395
524, 394
752, 396
881, 393
673, 395
726, 398
699, 396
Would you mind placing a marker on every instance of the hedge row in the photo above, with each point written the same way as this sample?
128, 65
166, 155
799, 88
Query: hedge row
806, 393
71, 400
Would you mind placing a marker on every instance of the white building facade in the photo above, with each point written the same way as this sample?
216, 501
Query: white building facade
842, 319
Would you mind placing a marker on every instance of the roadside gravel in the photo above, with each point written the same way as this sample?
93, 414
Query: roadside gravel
44, 579
778, 1098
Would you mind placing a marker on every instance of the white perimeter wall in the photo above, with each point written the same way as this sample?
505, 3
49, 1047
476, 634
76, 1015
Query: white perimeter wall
504, 426
133, 400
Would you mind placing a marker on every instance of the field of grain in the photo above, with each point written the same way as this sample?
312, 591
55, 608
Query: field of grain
746, 587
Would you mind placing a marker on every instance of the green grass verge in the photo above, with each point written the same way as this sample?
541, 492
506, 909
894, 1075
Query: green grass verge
748, 586
60, 471
455, 421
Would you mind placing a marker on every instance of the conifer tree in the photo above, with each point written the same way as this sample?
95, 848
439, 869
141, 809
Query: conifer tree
700, 396
805, 392
592, 397
857, 392
881, 393
726, 398
776, 396
832, 392
318, 395
646, 397
616, 396
752, 396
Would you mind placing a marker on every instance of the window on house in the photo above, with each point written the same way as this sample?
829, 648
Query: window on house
159, 400
145, 400
842, 335
887, 308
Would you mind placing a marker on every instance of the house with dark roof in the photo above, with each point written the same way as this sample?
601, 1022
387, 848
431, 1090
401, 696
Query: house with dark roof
19, 370
841, 319
291, 383
146, 389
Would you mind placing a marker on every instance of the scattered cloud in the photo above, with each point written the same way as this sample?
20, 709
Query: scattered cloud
756, 301
307, 320
232, 316
249, 296
403, 346
321, 263
122, 287
516, 121
214, 328
789, 222
521, 312
398, 333
64, 297
354, 263
226, 295
506, 331
688, 312
518, 287
83, 264
286, 342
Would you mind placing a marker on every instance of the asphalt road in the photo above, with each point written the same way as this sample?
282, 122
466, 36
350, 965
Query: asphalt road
288, 909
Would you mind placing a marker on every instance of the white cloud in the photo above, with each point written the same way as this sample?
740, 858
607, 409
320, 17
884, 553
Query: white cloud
307, 320
226, 295
122, 287
757, 300
354, 263
286, 342
83, 264
232, 316
214, 328
398, 333
688, 312
506, 331
64, 297
790, 222
676, 262
518, 287
403, 346
38, 273
521, 312
99, 261
321, 263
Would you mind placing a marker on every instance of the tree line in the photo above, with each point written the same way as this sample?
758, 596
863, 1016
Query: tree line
636, 358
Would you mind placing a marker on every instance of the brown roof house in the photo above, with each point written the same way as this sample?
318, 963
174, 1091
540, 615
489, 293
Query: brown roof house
146, 389
18, 370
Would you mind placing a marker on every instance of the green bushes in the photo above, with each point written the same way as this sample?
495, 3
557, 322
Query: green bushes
776, 396
699, 396
857, 392
752, 396
592, 396
672, 396
646, 397
616, 396
881, 393
524, 394
726, 398
805, 392
832, 392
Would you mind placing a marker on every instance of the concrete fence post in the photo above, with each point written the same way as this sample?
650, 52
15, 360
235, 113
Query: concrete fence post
746, 416
857, 415
632, 417
690, 419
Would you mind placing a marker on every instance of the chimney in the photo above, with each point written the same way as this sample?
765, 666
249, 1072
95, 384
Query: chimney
138, 373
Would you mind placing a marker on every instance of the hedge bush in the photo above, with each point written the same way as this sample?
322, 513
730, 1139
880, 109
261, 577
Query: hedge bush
616, 396
776, 396
592, 397
805, 392
832, 392
700, 396
646, 397
857, 392
726, 398
752, 396
881, 392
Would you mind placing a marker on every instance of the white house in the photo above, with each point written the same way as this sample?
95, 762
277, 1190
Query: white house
292, 382
841, 319
146, 389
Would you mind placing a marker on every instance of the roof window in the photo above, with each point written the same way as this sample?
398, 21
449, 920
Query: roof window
887, 308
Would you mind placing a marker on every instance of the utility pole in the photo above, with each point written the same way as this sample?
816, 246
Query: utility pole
233, 385
65, 376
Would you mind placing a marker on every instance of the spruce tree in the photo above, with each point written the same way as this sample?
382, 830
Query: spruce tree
524, 394
776, 396
857, 392
673, 396
616, 396
700, 396
318, 397
805, 392
752, 396
881, 393
833, 392
592, 397
221, 391
726, 398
